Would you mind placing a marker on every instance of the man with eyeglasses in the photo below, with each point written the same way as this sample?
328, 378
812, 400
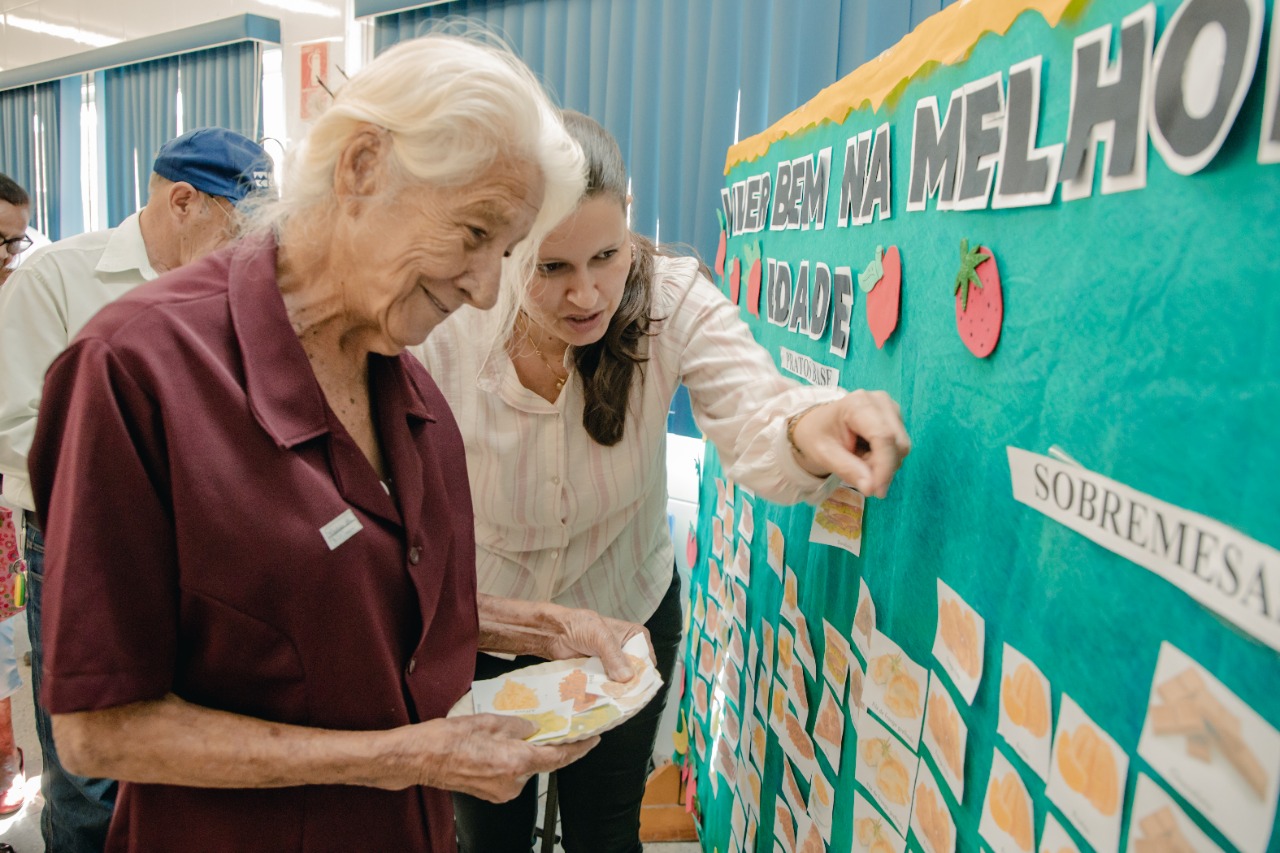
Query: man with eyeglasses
15, 213
197, 179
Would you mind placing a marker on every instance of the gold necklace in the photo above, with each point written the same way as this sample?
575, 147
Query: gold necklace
555, 374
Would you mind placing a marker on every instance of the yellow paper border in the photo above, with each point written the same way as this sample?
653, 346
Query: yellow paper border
945, 38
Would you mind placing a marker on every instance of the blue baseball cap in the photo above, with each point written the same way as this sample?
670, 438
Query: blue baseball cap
215, 161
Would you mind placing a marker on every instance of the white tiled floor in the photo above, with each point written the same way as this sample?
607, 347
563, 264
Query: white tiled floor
23, 829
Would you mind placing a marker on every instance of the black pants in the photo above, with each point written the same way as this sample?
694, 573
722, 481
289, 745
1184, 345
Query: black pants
599, 794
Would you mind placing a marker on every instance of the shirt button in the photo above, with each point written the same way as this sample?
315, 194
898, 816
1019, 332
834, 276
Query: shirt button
555, 480
413, 664
415, 555
555, 554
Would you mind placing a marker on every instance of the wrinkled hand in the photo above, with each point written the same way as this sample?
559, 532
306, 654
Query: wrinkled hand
486, 756
860, 438
585, 632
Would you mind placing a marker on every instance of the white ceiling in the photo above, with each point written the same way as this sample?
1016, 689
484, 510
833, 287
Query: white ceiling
132, 19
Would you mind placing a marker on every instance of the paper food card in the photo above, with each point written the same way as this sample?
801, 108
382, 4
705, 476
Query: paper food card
857, 678
790, 595
804, 648
828, 728
721, 498
791, 790
895, 688
864, 620
959, 642
1213, 749
1054, 839
759, 742
838, 520
797, 744
822, 800
946, 736
747, 519
740, 568
1087, 777
931, 819
786, 659
809, 836
1008, 821
717, 538
835, 658
762, 696
887, 769
871, 832
777, 548
1156, 824
1026, 718
544, 693
767, 648
784, 826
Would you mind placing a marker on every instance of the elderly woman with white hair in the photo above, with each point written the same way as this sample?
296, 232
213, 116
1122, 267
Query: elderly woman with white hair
279, 604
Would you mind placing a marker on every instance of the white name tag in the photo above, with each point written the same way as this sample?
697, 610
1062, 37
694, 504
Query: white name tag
342, 528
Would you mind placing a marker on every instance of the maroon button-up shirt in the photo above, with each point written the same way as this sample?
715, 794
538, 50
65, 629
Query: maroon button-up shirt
213, 531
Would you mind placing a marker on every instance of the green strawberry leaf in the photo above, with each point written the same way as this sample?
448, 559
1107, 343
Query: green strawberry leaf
870, 277
720, 218
968, 274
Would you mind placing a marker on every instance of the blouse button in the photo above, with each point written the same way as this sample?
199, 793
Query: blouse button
413, 664
415, 555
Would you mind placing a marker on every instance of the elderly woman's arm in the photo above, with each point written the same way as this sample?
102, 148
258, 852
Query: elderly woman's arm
173, 742
553, 632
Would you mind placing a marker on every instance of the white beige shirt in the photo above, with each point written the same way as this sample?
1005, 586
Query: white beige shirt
43, 305
561, 518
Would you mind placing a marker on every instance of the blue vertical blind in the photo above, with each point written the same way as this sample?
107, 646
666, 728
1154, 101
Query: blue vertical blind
665, 76
139, 113
29, 149
220, 86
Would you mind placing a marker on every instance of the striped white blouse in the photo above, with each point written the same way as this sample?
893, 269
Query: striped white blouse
561, 518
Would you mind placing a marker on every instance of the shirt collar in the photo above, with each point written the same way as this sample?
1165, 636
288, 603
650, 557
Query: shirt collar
498, 377
126, 250
289, 409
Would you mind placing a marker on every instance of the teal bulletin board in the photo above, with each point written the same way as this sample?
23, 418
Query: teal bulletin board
1135, 574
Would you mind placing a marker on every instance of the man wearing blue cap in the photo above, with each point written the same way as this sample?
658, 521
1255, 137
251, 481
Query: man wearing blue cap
197, 180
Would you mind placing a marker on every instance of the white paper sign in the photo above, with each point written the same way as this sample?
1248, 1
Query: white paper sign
1226, 571
808, 369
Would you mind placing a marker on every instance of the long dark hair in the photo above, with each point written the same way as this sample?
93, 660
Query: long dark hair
608, 367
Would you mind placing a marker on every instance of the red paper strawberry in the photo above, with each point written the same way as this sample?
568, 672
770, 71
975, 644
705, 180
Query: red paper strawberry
753, 278
691, 547
979, 302
724, 244
884, 296
735, 281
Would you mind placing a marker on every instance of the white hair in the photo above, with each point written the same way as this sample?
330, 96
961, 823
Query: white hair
454, 105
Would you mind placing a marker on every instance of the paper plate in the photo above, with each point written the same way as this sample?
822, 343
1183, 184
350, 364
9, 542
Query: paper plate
569, 700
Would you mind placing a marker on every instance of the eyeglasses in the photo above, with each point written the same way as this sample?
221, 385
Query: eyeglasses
16, 245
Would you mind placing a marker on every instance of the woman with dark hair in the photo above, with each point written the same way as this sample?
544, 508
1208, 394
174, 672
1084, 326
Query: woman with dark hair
562, 402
